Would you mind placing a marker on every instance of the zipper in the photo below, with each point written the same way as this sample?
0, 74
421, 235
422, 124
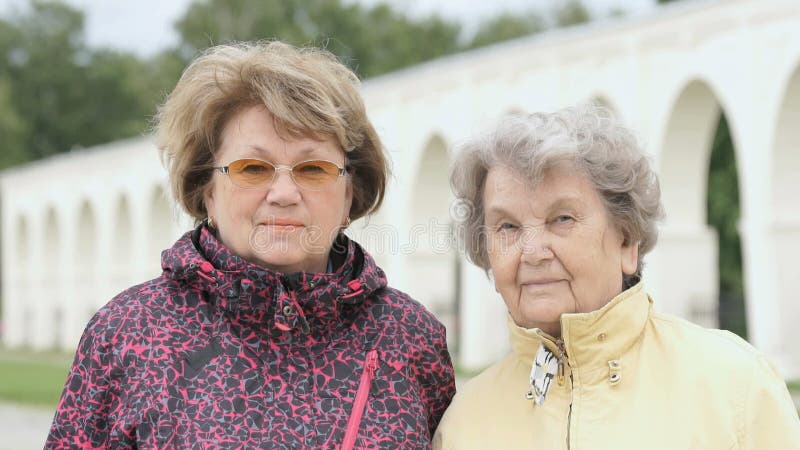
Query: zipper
561, 357
569, 423
561, 375
353, 423
561, 379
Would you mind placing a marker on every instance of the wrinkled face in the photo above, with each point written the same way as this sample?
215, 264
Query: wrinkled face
552, 249
280, 226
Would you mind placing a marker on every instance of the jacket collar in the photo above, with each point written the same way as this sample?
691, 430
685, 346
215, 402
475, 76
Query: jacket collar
593, 338
255, 294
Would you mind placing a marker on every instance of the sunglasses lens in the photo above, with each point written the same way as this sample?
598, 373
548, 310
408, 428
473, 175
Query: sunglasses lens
250, 173
315, 174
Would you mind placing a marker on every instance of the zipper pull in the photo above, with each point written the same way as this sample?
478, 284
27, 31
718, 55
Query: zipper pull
372, 362
560, 375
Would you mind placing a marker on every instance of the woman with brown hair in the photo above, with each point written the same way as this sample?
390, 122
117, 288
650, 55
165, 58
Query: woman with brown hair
269, 327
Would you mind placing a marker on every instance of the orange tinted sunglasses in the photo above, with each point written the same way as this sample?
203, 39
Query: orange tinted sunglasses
254, 173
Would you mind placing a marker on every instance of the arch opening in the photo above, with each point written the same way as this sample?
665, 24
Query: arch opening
122, 247
723, 213
785, 230
435, 267
700, 280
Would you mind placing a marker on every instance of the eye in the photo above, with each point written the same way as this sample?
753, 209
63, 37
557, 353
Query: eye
506, 226
253, 169
564, 219
311, 168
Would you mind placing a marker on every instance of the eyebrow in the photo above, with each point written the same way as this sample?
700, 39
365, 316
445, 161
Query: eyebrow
266, 152
498, 210
566, 201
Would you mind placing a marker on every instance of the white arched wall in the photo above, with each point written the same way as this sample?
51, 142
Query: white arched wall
785, 230
745, 50
687, 248
161, 229
48, 280
430, 253
83, 286
20, 283
121, 238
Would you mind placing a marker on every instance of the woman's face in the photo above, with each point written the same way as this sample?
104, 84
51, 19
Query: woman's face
552, 249
280, 226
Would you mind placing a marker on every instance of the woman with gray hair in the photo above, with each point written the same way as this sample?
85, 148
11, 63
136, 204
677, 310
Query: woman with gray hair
564, 208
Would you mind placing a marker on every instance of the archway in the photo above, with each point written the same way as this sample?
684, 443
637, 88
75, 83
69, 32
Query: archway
723, 213
20, 285
48, 310
433, 261
86, 280
687, 253
122, 245
785, 230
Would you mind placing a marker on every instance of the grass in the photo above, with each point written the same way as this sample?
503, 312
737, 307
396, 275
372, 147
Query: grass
32, 378
794, 386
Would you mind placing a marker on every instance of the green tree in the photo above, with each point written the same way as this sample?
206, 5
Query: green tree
572, 12
372, 40
507, 26
47, 77
13, 129
66, 95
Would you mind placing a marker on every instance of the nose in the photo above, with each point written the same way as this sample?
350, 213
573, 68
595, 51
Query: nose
283, 191
535, 245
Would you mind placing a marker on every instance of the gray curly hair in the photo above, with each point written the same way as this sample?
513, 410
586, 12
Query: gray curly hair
587, 136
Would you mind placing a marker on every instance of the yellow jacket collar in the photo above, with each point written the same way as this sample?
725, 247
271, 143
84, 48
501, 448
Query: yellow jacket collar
594, 337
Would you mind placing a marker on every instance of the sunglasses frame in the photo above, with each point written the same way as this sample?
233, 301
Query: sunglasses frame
227, 171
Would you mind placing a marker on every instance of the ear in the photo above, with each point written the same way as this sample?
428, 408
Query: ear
629, 257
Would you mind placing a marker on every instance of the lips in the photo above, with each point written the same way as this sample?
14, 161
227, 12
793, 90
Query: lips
282, 224
541, 282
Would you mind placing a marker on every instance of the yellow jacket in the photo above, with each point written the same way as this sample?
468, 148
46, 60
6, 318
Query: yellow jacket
633, 379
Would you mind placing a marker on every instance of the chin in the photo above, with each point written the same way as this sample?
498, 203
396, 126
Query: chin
542, 315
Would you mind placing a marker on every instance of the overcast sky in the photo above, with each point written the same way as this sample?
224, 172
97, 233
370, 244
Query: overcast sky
145, 26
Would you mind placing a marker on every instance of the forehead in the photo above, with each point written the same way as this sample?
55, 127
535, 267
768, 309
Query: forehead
253, 133
507, 189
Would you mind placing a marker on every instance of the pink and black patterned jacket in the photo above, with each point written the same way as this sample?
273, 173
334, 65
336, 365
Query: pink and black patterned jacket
221, 353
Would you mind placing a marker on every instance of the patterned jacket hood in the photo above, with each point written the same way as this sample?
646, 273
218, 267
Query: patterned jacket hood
218, 352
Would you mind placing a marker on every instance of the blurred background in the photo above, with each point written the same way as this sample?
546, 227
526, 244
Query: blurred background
711, 87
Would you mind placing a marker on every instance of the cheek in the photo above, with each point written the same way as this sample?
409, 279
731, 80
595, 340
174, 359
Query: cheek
327, 210
241, 207
504, 270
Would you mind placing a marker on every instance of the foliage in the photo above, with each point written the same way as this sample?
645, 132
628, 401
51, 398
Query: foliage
573, 12
66, 95
722, 205
372, 40
507, 26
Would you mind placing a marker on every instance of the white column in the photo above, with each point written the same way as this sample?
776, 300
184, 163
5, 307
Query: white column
483, 333
684, 273
785, 242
